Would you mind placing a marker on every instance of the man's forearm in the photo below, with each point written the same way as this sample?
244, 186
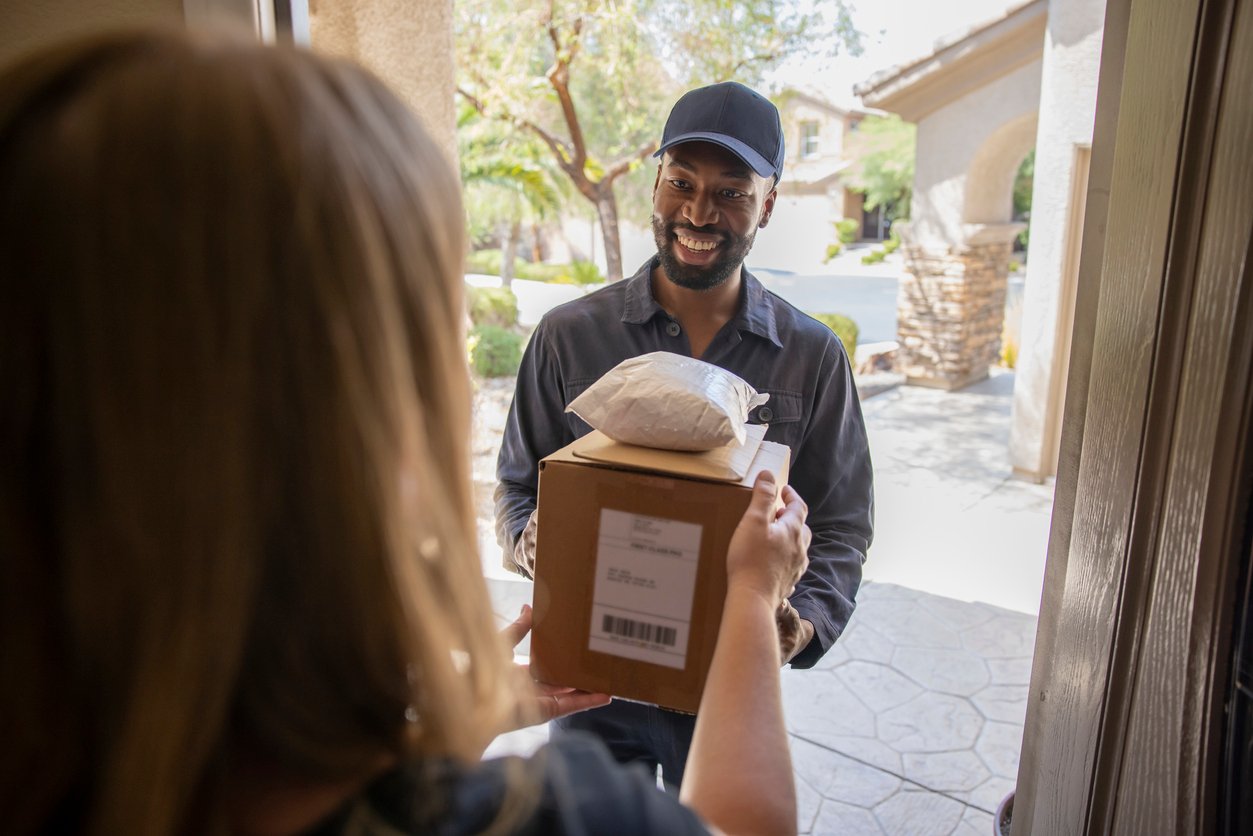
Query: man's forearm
514, 506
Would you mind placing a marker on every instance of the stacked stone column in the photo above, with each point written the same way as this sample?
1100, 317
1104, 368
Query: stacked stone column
951, 306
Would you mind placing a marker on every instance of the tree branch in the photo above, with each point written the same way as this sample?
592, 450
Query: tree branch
558, 76
559, 149
623, 165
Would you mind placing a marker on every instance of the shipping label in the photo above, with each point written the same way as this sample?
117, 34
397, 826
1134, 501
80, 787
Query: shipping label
645, 584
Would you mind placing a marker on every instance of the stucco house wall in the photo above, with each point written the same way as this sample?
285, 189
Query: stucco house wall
958, 181
811, 194
1072, 56
409, 45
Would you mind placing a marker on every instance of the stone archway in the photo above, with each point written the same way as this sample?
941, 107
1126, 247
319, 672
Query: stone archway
990, 177
952, 297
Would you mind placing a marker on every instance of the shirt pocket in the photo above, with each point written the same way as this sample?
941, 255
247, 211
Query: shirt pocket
783, 413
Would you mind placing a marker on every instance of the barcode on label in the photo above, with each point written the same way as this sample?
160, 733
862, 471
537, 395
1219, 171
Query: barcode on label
642, 631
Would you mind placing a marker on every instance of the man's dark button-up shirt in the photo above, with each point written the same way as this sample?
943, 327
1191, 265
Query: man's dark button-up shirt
813, 408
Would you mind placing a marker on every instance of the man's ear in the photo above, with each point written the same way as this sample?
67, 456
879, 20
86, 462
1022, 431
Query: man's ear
767, 208
657, 181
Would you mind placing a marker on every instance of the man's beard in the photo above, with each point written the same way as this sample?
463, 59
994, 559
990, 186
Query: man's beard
733, 250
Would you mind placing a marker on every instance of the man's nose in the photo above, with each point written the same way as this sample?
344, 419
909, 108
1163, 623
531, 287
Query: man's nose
699, 209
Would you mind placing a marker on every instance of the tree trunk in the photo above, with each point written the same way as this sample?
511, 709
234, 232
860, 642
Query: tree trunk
537, 251
607, 214
509, 253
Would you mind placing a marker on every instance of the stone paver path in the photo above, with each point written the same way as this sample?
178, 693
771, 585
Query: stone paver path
911, 725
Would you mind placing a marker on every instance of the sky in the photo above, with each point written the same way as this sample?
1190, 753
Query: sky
896, 31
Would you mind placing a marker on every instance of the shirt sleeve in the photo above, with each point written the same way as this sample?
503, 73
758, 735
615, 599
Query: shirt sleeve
832, 472
535, 427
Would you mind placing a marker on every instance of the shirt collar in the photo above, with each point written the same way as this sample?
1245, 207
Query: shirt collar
756, 314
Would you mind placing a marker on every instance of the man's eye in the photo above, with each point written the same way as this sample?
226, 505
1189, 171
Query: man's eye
732, 194
680, 184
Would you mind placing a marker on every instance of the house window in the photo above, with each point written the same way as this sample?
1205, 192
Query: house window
809, 139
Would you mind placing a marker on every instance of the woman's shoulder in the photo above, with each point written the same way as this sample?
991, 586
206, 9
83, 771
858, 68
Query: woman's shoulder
571, 785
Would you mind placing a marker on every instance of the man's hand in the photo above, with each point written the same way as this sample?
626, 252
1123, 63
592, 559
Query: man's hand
551, 701
794, 631
524, 549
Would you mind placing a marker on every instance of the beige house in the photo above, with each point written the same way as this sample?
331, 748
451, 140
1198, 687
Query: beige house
812, 193
982, 100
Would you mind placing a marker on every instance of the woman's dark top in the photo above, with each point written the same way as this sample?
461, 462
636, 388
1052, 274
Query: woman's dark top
581, 790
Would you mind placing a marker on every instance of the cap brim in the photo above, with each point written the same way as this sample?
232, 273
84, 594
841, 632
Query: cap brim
755, 161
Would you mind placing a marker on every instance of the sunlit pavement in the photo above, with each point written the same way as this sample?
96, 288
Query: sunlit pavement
912, 723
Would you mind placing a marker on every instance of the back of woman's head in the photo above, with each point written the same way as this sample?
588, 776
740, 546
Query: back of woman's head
234, 507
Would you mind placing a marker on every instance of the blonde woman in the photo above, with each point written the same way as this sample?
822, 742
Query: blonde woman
239, 590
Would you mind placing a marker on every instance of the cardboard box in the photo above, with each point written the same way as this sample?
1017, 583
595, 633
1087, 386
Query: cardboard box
630, 570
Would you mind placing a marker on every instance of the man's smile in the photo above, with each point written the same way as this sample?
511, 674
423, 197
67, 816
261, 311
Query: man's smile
695, 245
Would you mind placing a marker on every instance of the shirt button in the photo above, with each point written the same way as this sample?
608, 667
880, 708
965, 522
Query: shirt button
672, 328
765, 414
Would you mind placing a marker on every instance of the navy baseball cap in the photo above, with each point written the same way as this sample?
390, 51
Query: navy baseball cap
736, 117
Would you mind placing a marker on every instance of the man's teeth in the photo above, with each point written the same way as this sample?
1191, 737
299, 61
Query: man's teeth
699, 246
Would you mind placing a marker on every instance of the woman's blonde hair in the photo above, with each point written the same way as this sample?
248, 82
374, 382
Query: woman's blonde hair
234, 469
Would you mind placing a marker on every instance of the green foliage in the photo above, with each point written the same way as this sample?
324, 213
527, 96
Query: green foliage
893, 243
540, 272
846, 230
495, 351
742, 39
1011, 327
1023, 182
492, 306
1014, 265
883, 168
832, 251
874, 256
580, 272
1009, 355
844, 328
507, 177
488, 262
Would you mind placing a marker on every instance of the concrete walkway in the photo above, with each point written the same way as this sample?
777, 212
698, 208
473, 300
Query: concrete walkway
912, 723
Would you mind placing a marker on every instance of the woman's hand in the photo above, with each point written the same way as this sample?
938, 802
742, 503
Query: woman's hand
768, 550
551, 701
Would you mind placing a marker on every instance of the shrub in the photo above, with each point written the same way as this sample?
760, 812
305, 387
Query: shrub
832, 251
539, 272
844, 328
1009, 355
586, 272
496, 306
873, 257
893, 242
495, 351
1011, 329
580, 272
846, 230
486, 262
